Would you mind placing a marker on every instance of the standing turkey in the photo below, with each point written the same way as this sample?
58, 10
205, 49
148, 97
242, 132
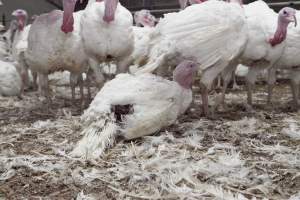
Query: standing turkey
133, 106
106, 30
19, 46
290, 60
55, 44
265, 44
266, 41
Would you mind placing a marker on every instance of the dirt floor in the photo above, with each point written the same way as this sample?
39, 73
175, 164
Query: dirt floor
242, 154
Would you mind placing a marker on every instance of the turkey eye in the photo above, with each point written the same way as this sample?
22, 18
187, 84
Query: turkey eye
284, 12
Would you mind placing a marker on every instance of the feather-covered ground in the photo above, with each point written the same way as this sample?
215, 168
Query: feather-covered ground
242, 154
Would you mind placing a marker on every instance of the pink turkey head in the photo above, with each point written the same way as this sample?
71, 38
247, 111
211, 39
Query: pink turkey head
21, 16
184, 72
110, 10
286, 15
144, 18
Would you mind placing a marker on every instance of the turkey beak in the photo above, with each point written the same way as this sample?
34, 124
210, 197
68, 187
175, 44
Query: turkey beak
295, 20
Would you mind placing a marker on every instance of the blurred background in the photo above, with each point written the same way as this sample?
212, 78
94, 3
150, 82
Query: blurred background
158, 7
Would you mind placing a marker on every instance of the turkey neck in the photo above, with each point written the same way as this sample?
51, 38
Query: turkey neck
110, 10
280, 33
68, 19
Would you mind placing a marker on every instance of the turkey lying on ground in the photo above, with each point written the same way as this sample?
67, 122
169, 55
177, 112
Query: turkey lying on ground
133, 106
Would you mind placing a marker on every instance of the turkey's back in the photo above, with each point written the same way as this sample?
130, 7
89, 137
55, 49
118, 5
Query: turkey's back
210, 32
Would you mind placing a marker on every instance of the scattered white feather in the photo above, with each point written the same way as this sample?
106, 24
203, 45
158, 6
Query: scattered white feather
293, 130
82, 196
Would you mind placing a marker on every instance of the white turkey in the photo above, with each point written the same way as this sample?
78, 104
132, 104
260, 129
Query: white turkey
55, 44
265, 44
133, 106
19, 47
106, 30
10, 80
290, 60
266, 39
213, 33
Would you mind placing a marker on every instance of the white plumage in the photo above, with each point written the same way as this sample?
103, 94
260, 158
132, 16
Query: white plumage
142, 39
10, 80
144, 18
20, 42
107, 40
266, 40
241, 71
290, 59
262, 24
50, 49
133, 106
214, 33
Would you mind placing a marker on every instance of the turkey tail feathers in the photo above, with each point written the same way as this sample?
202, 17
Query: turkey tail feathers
99, 135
